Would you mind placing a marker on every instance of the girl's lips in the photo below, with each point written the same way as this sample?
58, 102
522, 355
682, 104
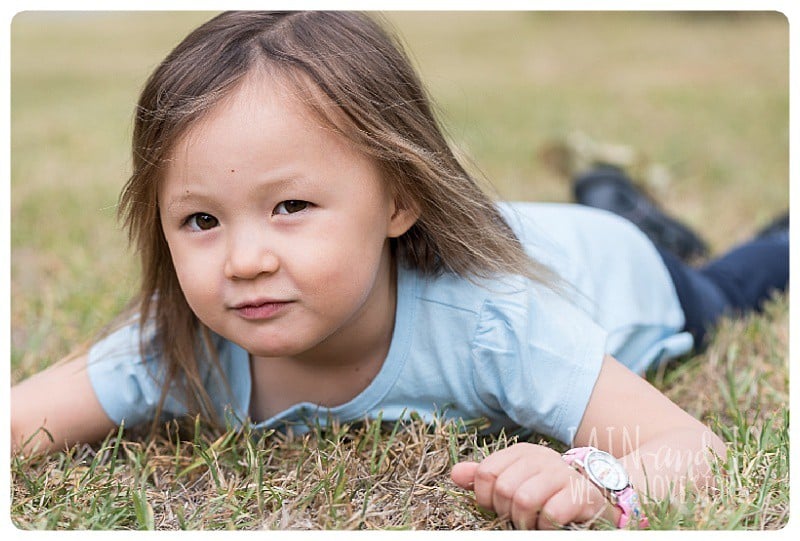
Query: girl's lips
261, 310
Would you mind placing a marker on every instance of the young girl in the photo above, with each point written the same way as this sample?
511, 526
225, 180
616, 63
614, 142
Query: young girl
312, 249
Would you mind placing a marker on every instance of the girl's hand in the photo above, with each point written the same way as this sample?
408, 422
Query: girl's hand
534, 487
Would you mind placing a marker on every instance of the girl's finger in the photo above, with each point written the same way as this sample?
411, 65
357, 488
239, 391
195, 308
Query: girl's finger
530, 498
463, 474
495, 464
509, 481
578, 502
489, 470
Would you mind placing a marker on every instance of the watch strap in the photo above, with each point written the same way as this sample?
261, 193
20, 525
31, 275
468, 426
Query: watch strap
577, 454
628, 502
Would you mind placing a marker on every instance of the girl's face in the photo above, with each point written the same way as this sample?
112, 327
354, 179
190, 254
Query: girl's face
279, 229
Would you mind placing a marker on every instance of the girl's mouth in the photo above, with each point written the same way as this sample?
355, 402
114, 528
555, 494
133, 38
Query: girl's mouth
261, 309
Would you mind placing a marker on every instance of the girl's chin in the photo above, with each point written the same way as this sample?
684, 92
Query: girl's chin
261, 346
272, 351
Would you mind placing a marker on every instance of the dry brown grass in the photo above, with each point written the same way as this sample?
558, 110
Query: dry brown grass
396, 475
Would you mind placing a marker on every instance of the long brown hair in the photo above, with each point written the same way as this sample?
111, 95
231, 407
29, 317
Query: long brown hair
357, 78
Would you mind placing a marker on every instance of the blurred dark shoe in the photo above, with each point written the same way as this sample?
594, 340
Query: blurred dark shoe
607, 187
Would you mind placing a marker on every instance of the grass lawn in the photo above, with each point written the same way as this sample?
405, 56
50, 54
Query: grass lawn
706, 96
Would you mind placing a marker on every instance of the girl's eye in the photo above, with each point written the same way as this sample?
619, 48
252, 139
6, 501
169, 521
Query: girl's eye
290, 207
201, 222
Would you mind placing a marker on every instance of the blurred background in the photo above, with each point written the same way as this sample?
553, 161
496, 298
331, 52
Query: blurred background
704, 95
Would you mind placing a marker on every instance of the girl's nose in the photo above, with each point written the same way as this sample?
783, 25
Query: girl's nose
248, 257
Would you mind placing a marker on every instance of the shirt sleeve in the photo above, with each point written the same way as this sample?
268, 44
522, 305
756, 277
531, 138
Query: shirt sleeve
537, 357
128, 385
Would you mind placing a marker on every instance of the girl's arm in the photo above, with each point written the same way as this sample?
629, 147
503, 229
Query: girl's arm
61, 401
663, 448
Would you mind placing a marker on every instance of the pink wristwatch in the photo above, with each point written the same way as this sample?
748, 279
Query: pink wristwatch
607, 473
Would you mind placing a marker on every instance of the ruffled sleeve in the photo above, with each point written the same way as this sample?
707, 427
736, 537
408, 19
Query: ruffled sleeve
536, 359
127, 385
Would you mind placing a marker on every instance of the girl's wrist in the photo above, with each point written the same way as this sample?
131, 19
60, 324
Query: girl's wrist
610, 477
612, 513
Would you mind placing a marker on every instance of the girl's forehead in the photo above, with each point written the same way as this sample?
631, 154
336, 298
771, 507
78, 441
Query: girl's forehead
262, 93
261, 113
257, 94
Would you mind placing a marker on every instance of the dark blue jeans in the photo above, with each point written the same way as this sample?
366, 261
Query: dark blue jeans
736, 283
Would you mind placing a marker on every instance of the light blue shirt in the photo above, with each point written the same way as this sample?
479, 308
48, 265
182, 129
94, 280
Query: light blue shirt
511, 352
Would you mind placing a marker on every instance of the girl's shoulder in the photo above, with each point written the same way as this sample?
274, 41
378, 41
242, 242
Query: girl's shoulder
127, 374
567, 223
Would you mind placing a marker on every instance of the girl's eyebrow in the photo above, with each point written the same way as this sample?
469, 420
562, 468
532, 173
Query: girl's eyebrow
196, 195
188, 196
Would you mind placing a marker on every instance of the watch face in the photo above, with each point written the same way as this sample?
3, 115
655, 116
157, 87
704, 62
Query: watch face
605, 470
